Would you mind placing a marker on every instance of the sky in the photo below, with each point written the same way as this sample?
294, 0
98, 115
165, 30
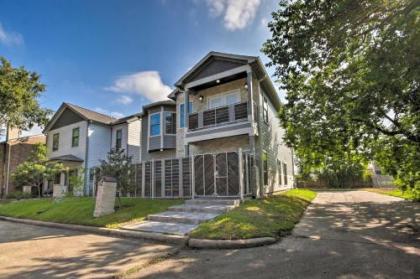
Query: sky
116, 56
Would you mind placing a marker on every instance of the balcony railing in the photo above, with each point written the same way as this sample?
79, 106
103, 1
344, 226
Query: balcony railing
218, 116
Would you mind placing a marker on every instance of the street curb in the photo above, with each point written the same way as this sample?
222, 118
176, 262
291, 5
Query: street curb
230, 244
182, 240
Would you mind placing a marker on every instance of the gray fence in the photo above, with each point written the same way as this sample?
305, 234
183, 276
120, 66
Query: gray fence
225, 174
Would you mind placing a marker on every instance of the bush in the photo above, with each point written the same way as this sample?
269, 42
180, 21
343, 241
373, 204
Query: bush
18, 195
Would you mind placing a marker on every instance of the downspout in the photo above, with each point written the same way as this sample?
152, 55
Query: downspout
86, 182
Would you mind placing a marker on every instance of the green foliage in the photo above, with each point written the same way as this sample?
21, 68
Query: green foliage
351, 73
19, 91
37, 168
77, 182
272, 216
78, 210
118, 165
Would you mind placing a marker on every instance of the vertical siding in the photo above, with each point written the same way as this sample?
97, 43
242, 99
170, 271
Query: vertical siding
124, 140
133, 140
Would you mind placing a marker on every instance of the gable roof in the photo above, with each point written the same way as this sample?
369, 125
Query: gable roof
84, 113
211, 55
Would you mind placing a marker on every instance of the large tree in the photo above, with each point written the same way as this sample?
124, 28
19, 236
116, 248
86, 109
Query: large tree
351, 72
19, 93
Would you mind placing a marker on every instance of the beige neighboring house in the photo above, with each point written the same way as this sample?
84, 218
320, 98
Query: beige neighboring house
14, 151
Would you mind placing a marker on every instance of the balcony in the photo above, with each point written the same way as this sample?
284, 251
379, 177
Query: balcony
220, 116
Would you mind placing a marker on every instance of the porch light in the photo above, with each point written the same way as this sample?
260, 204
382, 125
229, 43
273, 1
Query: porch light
200, 98
246, 86
218, 81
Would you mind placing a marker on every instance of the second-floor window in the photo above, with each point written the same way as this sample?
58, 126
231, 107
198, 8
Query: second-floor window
155, 124
224, 100
75, 137
56, 142
170, 122
182, 113
118, 139
265, 110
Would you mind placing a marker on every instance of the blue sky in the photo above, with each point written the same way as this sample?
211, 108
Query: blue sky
115, 56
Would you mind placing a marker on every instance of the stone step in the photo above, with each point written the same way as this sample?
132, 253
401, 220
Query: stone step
206, 208
181, 217
161, 228
232, 202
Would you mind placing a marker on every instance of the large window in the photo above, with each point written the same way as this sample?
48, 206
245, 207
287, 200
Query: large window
170, 122
155, 124
224, 100
265, 168
279, 172
118, 139
56, 142
75, 137
182, 113
265, 110
285, 173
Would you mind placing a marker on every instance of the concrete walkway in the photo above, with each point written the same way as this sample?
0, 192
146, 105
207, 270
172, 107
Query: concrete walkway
349, 234
28, 251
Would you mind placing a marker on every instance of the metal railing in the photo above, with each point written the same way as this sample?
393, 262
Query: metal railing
218, 116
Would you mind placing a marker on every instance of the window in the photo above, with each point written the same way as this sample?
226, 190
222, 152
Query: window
170, 122
279, 172
155, 124
265, 168
265, 110
75, 137
57, 178
285, 173
56, 139
118, 139
224, 100
182, 113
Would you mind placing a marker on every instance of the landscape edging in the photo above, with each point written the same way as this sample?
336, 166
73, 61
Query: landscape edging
102, 231
230, 244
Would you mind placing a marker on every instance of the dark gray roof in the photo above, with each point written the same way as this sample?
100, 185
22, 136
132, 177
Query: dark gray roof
91, 115
160, 103
128, 118
66, 158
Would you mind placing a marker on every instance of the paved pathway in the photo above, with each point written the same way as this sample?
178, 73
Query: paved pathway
349, 234
28, 251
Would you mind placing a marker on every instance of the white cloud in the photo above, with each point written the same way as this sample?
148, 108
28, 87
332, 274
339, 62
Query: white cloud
147, 84
125, 100
114, 114
237, 13
10, 38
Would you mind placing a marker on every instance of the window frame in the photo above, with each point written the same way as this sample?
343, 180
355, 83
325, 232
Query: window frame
223, 97
159, 124
182, 122
118, 140
173, 115
279, 172
265, 168
284, 167
56, 142
73, 137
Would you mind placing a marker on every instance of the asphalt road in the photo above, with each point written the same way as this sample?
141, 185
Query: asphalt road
348, 234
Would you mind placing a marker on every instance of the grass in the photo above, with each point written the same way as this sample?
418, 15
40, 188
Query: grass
407, 195
273, 216
79, 210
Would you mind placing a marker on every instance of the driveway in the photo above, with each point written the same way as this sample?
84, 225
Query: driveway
346, 234
28, 251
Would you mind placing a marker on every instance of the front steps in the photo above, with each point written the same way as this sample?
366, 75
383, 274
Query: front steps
182, 219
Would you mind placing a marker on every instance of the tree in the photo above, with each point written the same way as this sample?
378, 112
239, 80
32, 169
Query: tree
36, 169
118, 165
19, 91
351, 72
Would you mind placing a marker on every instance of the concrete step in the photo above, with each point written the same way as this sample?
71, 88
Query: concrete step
161, 228
232, 202
193, 218
205, 208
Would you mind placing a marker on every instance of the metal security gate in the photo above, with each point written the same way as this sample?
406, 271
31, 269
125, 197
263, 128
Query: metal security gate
226, 174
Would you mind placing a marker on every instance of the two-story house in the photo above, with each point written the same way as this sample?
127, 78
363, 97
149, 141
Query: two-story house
225, 103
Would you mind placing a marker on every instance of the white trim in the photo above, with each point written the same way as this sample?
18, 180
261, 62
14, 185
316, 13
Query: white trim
244, 131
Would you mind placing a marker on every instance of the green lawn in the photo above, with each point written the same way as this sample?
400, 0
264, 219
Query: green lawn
273, 216
79, 210
407, 195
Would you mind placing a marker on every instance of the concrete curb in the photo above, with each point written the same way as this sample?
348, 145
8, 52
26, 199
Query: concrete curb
182, 240
230, 244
